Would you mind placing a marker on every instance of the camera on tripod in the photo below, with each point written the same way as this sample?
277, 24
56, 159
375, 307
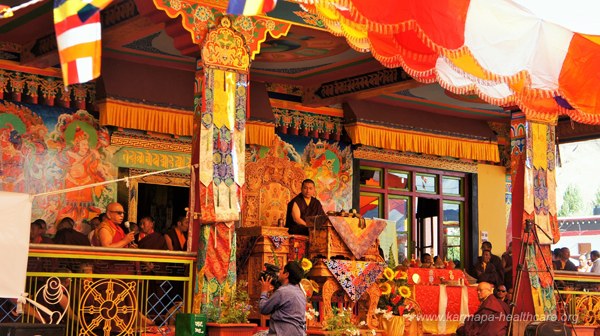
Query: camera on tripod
271, 271
528, 225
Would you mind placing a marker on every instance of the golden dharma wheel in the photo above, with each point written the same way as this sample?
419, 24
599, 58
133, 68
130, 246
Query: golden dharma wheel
108, 305
588, 310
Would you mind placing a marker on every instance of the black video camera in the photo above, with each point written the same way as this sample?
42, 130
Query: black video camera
271, 271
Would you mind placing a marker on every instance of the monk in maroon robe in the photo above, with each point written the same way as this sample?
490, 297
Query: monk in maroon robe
176, 236
150, 239
38, 230
67, 235
490, 319
486, 270
301, 207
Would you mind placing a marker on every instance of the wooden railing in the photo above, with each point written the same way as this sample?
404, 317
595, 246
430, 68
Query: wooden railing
103, 291
579, 297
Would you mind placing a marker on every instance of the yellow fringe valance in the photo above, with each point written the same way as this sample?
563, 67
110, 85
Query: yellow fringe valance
407, 141
146, 118
260, 133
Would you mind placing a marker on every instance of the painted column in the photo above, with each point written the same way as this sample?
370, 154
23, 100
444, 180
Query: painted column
228, 43
219, 148
533, 175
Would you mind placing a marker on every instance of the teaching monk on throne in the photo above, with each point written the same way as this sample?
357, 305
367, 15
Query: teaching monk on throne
301, 207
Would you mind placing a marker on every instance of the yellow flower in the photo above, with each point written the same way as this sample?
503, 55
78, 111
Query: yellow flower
404, 291
388, 273
385, 288
306, 264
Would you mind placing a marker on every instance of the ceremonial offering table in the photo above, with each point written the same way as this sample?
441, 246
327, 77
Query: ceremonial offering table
436, 275
437, 299
347, 263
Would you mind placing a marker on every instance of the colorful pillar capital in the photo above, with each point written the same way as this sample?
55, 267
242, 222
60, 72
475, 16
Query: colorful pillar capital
198, 18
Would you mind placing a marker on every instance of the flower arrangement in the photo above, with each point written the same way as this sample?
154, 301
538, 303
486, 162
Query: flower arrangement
308, 286
235, 309
311, 314
340, 324
394, 293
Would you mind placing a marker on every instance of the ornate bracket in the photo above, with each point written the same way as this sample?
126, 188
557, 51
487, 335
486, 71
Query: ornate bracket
17, 84
225, 48
197, 19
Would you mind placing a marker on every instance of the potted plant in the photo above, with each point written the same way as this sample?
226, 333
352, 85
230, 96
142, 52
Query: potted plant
394, 304
231, 318
341, 324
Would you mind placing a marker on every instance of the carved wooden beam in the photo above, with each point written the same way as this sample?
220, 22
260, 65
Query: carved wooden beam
40, 53
570, 131
362, 86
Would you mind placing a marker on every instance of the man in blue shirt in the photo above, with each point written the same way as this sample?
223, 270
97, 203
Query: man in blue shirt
287, 305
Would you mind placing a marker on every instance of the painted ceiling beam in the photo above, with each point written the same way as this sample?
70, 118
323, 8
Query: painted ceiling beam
362, 86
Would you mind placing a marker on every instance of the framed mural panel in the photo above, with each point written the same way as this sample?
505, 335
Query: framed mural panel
49, 149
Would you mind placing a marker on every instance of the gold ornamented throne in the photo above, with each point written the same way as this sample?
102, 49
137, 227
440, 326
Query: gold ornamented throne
273, 199
270, 184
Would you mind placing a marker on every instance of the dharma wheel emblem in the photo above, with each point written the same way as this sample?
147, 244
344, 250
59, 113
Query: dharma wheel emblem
108, 306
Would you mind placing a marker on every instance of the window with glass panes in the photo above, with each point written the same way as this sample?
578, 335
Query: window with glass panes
428, 207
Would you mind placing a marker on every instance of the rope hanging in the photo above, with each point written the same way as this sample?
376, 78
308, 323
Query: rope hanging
125, 179
6, 12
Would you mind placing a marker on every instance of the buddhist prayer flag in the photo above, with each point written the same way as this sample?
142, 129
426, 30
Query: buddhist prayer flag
250, 7
78, 35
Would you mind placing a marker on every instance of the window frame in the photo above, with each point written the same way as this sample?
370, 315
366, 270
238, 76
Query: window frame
385, 191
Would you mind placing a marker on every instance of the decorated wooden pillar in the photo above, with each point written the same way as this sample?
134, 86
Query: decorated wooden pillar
220, 151
228, 44
533, 175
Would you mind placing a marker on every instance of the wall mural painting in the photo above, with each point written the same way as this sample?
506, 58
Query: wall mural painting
329, 164
44, 149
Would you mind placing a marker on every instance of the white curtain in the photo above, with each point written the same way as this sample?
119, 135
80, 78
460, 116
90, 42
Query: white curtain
15, 219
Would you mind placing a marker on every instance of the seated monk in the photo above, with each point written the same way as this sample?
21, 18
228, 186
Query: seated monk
301, 207
148, 238
490, 319
67, 235
109, 233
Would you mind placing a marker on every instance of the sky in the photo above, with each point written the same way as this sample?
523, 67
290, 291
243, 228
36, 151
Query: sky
580, 166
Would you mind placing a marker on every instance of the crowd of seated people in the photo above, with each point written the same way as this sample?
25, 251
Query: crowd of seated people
109, 230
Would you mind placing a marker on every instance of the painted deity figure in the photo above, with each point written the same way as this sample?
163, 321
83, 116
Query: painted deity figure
11, 160
84, 167
329, 167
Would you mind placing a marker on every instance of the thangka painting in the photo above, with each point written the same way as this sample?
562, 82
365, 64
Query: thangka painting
45, 149
290, 160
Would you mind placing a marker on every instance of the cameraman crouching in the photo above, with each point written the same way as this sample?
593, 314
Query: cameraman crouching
287, 305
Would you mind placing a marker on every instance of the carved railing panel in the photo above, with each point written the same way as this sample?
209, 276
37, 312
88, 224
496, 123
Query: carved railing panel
100, 291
